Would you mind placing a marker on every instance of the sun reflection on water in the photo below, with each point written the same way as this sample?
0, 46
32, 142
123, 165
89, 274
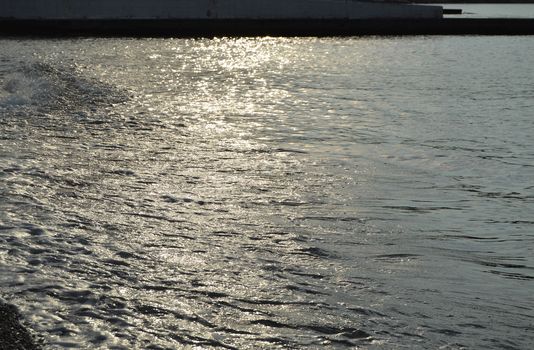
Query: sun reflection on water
263, 193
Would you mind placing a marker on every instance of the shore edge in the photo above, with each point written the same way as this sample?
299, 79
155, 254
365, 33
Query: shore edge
14, 336
277, 28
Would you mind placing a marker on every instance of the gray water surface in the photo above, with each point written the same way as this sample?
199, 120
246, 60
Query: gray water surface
269, 193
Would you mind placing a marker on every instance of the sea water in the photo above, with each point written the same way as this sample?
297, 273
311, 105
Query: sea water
373, 193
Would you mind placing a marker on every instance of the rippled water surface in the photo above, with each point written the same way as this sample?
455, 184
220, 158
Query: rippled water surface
269, 193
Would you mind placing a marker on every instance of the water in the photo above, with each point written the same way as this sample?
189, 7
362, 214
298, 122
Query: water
269, 193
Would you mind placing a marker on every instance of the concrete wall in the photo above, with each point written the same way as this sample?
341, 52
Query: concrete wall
209, 9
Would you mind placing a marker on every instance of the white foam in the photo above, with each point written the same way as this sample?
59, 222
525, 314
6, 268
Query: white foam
44, 85
21, 89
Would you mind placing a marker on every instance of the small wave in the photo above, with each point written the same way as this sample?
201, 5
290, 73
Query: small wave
304, 290
333, 334
397, 256
312, 251
418, 209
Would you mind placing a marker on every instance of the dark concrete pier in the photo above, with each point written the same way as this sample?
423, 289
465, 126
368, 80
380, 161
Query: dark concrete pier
216, 28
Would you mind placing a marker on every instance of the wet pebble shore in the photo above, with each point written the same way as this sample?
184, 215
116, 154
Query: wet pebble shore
14, 335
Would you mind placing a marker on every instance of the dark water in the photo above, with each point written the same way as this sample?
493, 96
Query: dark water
269, 193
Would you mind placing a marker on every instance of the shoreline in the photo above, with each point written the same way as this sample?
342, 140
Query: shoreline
14, 335
276, 28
